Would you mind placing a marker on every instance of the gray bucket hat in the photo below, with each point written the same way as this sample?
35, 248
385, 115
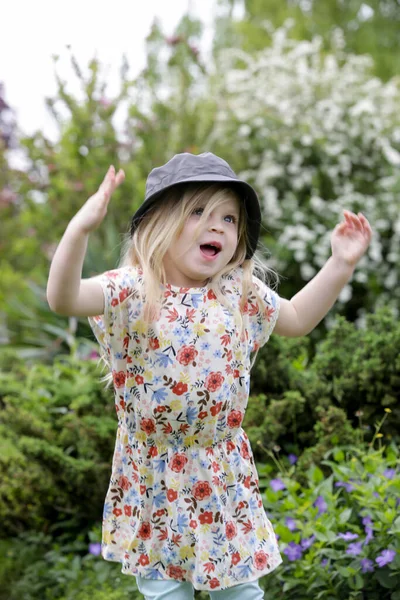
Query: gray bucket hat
188, 168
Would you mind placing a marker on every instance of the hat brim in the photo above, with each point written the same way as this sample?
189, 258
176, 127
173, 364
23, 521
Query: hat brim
251, 203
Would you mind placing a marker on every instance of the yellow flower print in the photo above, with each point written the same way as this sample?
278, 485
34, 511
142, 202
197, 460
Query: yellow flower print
260, 533
205, 555
133, 545
185, 378
176, 404
148, 376
140, 436
221, 329
186, 552
164, 341
199, 329
107, 537
190, 440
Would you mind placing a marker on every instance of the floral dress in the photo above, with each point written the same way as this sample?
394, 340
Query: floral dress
183, 501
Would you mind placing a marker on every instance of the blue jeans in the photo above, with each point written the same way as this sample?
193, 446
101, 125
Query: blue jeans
156, 589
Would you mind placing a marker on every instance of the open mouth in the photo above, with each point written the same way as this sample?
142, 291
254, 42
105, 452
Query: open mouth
210, 249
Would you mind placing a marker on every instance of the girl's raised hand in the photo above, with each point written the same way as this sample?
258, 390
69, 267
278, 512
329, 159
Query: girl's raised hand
92, 213
351, 238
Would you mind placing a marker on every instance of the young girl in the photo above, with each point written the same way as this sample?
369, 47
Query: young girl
179, 323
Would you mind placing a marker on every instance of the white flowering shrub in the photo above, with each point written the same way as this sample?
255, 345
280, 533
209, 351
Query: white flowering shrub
315, 133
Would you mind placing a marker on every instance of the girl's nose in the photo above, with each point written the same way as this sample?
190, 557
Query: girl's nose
214, 224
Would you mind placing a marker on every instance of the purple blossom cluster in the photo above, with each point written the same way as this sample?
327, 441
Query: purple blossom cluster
294, 551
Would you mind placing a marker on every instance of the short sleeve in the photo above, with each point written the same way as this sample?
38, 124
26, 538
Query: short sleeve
118, 286
263, 313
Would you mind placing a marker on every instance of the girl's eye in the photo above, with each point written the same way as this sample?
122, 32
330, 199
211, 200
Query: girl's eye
230, 218
198, 211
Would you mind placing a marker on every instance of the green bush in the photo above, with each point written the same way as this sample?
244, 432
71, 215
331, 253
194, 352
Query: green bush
339, 535
298, 403
35, 567
57, 437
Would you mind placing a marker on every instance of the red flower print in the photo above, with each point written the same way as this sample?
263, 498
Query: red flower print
193, 524
122, 404
172, 495
167, 428
178, 462
114, 302
235, 418
230, 446
148, 426
180, 388
203, 414
128, 510
117, 512
153, 451
142, 489
190, 312
214, 410
236, 373
119, 378
214, 381
215, 467
225, 339
235, 558
160, 512
247, 481
260, 559
154, 343
244, 450
124, 483
125, 342
161, 409
211, 295
139, 379
201, 490
175, 572
209, 567
214, 583
143, 560
123, 294
172, 315
245, 308
145, 530
269, 313
206, 517
186, 355
230, 530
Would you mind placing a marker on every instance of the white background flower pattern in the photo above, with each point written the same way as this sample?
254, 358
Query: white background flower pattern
183, 501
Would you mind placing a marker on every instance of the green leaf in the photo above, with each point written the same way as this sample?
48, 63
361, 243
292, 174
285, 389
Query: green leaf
345, 515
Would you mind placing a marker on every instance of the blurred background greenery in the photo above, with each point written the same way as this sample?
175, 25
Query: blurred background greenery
302, 98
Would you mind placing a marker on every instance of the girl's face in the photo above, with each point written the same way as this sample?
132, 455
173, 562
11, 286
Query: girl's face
199, 253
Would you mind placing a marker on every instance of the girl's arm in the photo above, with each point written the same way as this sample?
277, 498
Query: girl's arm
300, 315
67, 293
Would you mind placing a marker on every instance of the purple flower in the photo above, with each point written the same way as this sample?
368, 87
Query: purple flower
349, 487
291, 524
293, 551
95, 548
277, 485
389, 473
321, 505
367, 566
354, 549
366, 521
385, 558
307, 542
348, 536
369, 536
324, 562
292, 459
